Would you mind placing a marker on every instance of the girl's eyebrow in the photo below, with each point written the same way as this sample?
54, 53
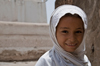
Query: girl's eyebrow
69, 28
80, 28
64, 28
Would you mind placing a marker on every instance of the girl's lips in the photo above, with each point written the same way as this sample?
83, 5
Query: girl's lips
71, 44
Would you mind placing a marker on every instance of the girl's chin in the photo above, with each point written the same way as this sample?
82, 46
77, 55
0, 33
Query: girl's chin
70, 51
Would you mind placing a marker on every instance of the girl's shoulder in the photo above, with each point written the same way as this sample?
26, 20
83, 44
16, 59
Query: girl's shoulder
45, 59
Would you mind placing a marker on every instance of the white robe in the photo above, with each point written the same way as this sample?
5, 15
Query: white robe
57, 56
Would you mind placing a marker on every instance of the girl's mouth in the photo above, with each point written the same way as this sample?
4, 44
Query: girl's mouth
71, 44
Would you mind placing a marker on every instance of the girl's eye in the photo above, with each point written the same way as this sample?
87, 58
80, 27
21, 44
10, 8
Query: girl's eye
64, 31
78, 31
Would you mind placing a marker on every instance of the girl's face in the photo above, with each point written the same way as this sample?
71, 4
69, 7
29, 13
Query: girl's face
69, 33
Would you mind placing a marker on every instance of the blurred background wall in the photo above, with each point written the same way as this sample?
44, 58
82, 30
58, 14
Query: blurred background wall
24, 32
23, 11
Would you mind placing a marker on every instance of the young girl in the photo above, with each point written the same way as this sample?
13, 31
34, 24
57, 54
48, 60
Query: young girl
67, 30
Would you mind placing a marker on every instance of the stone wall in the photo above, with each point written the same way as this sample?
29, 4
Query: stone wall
19, 39
23, 11
92, 9
23, 41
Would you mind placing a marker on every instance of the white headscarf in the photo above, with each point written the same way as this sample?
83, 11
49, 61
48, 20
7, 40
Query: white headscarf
57, 56
60, 56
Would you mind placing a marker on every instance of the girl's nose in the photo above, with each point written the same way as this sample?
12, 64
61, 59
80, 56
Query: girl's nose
71, 38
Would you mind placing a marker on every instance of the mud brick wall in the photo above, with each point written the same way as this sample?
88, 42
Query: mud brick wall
21, 41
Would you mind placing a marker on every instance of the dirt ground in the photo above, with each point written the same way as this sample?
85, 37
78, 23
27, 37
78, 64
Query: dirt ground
28, 63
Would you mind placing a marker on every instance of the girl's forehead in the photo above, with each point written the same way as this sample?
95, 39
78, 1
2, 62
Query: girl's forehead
70, 22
